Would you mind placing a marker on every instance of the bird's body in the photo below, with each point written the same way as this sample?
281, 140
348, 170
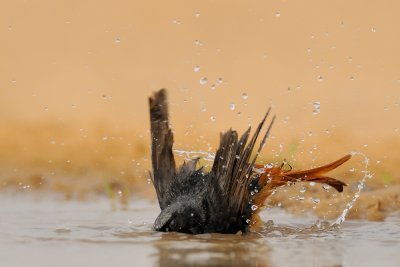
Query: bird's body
226, 199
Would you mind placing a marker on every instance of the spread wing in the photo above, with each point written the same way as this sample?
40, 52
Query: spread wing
162, 139
233, 169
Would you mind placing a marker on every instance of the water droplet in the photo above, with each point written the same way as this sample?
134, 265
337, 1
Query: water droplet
105, 138
352, 170
245, 96
13, 81
317, 107
373, 29
352, 78
197, 14
360, 186
203, 80
310, 133
301, 198
191, 214
286, 119
315, 200
196, 68
320, 78
269, 165
312, 183
350, 59
308, 50
239, 113
117, 40
213, 118
220, 81
254, 207
198, 42
303, 189
213, 87
46, 109
232, 106
277, 14
176, 21
326, 187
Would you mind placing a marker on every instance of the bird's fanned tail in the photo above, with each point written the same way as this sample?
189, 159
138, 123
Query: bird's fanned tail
275, 177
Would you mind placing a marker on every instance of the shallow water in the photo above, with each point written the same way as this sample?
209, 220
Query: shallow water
46, 231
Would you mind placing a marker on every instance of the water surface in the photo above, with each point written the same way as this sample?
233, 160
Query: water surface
47, 231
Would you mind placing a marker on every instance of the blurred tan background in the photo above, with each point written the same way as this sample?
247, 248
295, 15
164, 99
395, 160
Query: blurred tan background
75, 77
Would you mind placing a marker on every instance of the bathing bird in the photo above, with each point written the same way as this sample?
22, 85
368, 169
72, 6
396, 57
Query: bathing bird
228, 197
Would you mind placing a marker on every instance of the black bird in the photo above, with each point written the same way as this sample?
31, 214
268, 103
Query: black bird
226, 199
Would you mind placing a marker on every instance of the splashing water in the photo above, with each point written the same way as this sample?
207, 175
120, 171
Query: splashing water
360, 187
189, 155
325, 225
209, 156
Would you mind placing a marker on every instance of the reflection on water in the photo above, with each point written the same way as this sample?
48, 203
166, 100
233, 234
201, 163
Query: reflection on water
212, 250
51, 232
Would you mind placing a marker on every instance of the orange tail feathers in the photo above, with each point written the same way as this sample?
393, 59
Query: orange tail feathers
275, 177
318, 174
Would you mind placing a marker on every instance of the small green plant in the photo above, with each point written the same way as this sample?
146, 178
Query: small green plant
387, 178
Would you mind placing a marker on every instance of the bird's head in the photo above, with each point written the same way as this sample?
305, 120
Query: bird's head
185, 216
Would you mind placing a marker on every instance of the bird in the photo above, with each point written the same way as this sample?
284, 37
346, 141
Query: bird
227, 198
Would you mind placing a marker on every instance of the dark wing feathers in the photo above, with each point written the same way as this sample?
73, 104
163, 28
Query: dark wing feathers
164, 169
232, 177
232, 166
188, 167
225, 158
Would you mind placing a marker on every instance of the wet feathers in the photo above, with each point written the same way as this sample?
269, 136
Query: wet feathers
228, 198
